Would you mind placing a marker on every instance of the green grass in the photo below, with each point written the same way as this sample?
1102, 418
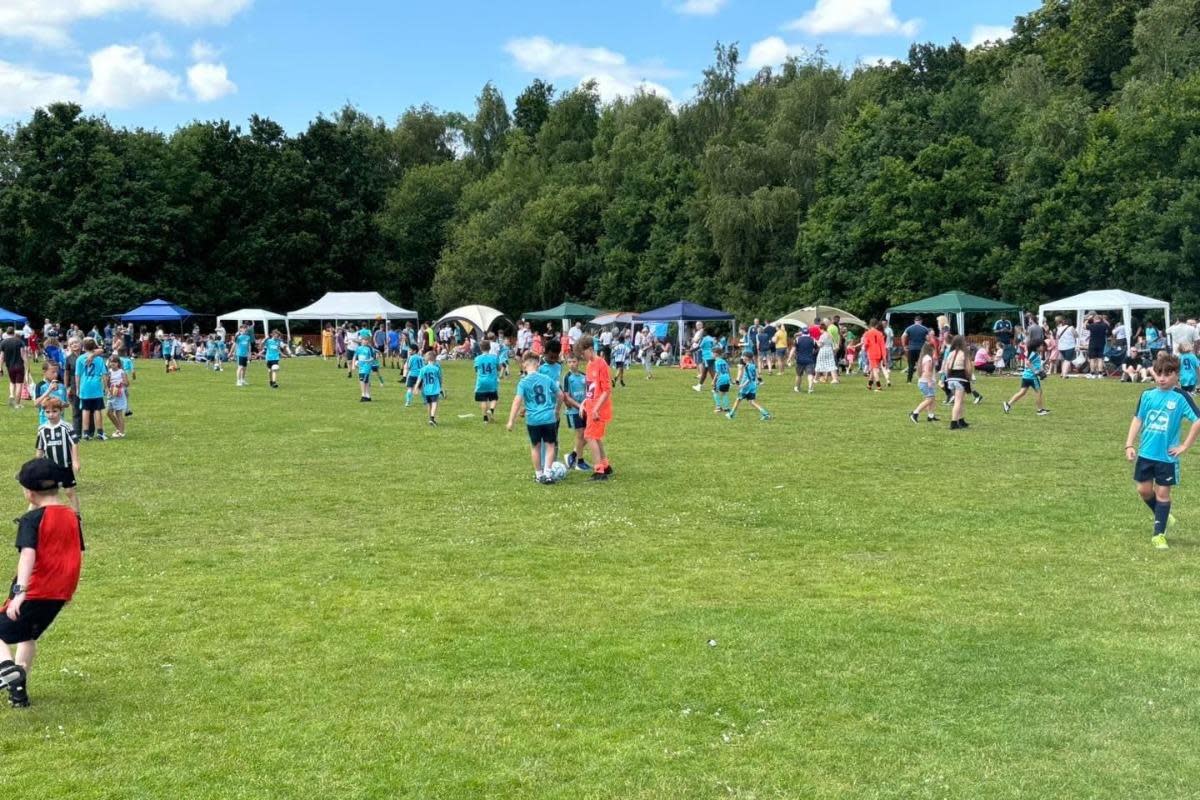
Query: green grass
291, 595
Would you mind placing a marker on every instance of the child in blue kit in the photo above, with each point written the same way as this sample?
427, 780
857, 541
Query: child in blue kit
722, 381
748, 388
1189, 366
1156, 425
487, 381
412, 375
541, 397
1031, 380
364, 359
430, 384
272, 350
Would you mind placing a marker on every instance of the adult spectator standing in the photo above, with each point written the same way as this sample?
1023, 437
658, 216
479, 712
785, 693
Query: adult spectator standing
606, 340
1120, 336
576, 332
15, 355
1004, 331
766, 348
1098, 332
1035, 334
1064, 332
524, 339
74, 348
913, 339
1182, 333
753, 334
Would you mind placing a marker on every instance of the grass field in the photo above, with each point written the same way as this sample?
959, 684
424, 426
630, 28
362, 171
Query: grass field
292, 595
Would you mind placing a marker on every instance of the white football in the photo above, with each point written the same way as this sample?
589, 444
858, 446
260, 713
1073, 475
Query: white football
558, 471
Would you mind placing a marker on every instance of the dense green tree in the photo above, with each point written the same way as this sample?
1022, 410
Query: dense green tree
1061, 159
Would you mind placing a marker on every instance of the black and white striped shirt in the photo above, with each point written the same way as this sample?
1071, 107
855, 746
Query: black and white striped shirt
55, 441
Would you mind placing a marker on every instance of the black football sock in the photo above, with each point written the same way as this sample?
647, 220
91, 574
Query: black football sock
1161, 512
1151, 503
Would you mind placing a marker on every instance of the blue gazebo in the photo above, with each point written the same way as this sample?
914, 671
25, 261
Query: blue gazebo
11, 318
682, 312
158, 310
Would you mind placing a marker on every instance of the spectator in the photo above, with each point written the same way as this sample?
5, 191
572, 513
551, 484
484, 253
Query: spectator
983, 359
1182, 333
1098, 331
1064, 332
15, 355
913, 339
1003, 330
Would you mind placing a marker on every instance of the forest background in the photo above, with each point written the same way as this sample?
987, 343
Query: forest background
1063, 159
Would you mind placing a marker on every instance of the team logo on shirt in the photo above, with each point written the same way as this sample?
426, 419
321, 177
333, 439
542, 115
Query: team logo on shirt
1158, 421
1170, 405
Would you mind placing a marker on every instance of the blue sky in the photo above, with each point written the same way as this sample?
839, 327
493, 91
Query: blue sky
162, 63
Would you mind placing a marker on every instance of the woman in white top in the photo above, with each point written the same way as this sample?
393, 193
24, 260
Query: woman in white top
1064, 332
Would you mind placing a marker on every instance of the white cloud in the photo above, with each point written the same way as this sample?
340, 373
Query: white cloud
771, 52
981, 34
700, 8
48, 22
210, 81
203, 51
612, 72
858, 17
23, 89
157, 47
122, 78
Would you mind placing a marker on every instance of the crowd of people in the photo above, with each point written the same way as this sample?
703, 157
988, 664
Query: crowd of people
569, 375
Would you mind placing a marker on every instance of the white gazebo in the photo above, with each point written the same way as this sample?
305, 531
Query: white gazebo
353, 307
1107, 300
481, 318
257, 316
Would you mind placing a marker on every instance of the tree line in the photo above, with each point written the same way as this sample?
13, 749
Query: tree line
1063, 159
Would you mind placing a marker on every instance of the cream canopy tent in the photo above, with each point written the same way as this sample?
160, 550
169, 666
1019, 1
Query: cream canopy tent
475, 317
257, 315
353, 306
810, 314
1108, 300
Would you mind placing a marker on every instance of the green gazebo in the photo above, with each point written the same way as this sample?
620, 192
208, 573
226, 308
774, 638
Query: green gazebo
957, 303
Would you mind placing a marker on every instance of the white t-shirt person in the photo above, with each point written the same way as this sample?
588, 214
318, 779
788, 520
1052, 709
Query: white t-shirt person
1181, 333
574, 334
1065, 334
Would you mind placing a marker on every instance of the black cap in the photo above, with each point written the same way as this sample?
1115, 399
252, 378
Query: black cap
39, 475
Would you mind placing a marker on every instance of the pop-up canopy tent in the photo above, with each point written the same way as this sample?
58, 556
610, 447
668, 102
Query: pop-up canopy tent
957, 303
11, 318
351, 307
257, 315
810, 314
1108, 300
480, 318
158, 310
683, 312
615, 318
563, 311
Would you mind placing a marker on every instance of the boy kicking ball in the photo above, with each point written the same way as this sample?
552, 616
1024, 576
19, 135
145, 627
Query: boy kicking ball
50, 544
1156, 424
540, 395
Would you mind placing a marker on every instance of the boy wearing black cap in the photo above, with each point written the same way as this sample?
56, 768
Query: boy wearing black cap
50, 544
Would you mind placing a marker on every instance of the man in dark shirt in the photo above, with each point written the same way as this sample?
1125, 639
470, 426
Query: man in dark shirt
1004, 331
13, 351
1098, 330
804, 351
74, 350
766, 347
913, 338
